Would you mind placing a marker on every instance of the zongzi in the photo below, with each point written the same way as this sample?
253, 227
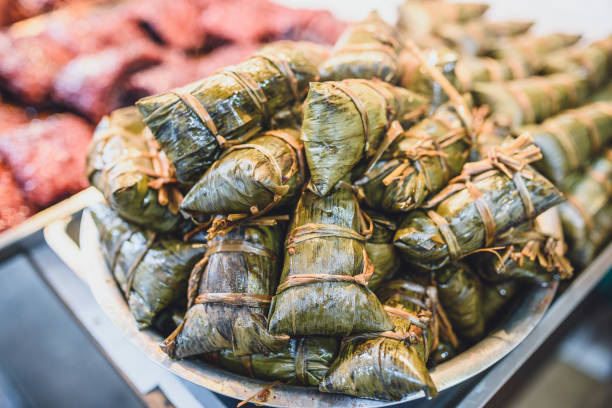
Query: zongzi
323, 287
367, 49
495, 296
419, 18
418, 163
380, 249
593, 62
569, 140
390, 365
251, 178
151, 270
301, 361
471, 70
533, 99
345, 121
135, 177
533, 252
587, 195
229, 294
460, 293
467, 216
194, 124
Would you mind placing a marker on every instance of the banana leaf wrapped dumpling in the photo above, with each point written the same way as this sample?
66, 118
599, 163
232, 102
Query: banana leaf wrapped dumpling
465, 217
587, 196
390, 365
346, 121
367, 49
569, 140
194, 124
420, 18
380, 249
418, 163
151, 270
533, 99
136, 179
599, 235
301, 361
229, 294
593, 62
471, 70
460, 294
495, 297
323, 287
532, 252
477, 37
251, 178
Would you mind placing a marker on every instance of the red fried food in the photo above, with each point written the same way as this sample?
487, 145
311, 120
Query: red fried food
28, 66
94, 84
173, 22
11, 116
13, 207
47, 157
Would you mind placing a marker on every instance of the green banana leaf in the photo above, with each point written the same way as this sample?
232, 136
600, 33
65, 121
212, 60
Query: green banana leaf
581, 253
587, 195
151, 270
346, 121
389, 366
302, 361
380, 249
267, 172
603, 94
441, 354
532, 252
417, 79
419, 18
532, 49
460, 293
478, 37
593, 62
531, 100
418, 163
326, 269
458, 215
367, 49
229, 293
495, 296
471, 70
119, 164
568, 141
239, 101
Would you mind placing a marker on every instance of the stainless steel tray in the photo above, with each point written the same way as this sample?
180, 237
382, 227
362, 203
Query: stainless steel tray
87, 261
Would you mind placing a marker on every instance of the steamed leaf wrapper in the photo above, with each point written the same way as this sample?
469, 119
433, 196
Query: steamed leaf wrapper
533, 99
323, 287
381, 251
251, 178
583, 252
460, 293
151, 270
367, 49
124, 163
593, 62
569, 140
532, 252
418, 163
194, 124
587, 195
229, 294
346, 121
417, 79
301, 361
495, 297
471, 70
465, 217
420, 18
389, 365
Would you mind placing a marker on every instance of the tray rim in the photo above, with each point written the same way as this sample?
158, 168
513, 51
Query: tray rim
92, 268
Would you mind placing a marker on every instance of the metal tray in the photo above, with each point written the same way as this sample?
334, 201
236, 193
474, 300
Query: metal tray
87, 261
